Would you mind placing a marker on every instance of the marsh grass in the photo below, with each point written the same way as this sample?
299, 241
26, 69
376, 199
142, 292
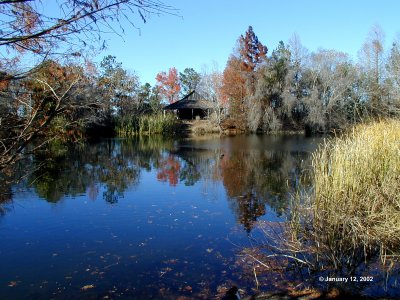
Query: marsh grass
352, 214
356, 200
348, 223
146, 125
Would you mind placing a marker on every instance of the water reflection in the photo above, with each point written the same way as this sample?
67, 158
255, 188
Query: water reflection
147, 215
256, 172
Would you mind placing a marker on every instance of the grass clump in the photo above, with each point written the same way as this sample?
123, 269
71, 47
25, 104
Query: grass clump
347, 222
357, 187
352, 214
147, 125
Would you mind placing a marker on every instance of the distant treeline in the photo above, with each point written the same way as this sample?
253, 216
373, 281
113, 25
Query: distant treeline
289, 89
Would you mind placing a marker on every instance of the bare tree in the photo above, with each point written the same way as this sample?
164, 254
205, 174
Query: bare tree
209, 87
32, 104
372, 63
393, 76
298, 56
333, 77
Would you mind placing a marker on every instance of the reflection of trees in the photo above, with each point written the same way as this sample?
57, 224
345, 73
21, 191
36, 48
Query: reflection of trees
253, 175
196, 163
254, 179
5, 195
114, 164
168, 169
174, 168
189, 174
79, 170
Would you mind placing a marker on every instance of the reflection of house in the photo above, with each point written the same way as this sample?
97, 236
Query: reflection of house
192, 106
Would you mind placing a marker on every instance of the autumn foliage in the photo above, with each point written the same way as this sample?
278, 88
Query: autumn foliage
168, 84
234, 85
239, 76
252, 51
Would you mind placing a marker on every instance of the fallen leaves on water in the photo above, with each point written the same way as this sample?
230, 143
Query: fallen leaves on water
87, 287
209, 250
12, 284
171, 261
188, 288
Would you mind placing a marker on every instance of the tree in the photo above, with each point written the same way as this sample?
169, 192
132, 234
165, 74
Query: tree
295, 90
50, 104
149, 99
252, 51
119, 87
239, 77
265, 104
27, 27
234, 86
210, 87
155, 100
372, 64
393, 70
189, 79
298, 57
168, 85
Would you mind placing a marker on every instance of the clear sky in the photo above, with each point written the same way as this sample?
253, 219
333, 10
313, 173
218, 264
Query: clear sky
207, 30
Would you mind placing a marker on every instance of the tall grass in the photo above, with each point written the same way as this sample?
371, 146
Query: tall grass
146, 125
353, 213
357, 185
348, 223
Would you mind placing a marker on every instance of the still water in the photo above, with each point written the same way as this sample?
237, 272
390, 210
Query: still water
144, 218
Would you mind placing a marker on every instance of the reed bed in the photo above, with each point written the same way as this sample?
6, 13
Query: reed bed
353, 212
344, 220
146, 125
357, 184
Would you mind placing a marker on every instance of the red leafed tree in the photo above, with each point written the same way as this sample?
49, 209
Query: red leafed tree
234, 85
168, 84
239, 76
252, 51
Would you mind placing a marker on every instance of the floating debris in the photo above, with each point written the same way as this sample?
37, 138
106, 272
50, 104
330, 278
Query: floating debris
12, 284
87, 287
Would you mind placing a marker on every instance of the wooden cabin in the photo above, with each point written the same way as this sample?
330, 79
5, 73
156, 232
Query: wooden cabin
190, 107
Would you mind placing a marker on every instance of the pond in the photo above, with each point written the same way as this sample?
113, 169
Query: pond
144, 218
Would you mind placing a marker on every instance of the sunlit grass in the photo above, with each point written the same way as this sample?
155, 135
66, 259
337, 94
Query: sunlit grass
349, 220
357, 185
146, 125
353, 213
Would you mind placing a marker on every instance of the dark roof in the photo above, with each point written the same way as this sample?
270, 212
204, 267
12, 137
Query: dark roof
192, 100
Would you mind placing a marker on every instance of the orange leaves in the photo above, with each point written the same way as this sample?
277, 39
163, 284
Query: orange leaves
169, 170
168, 84
234, 84
4, 81
252, 51
239, 74
26, 18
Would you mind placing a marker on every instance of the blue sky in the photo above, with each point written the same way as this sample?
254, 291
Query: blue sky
207, 30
